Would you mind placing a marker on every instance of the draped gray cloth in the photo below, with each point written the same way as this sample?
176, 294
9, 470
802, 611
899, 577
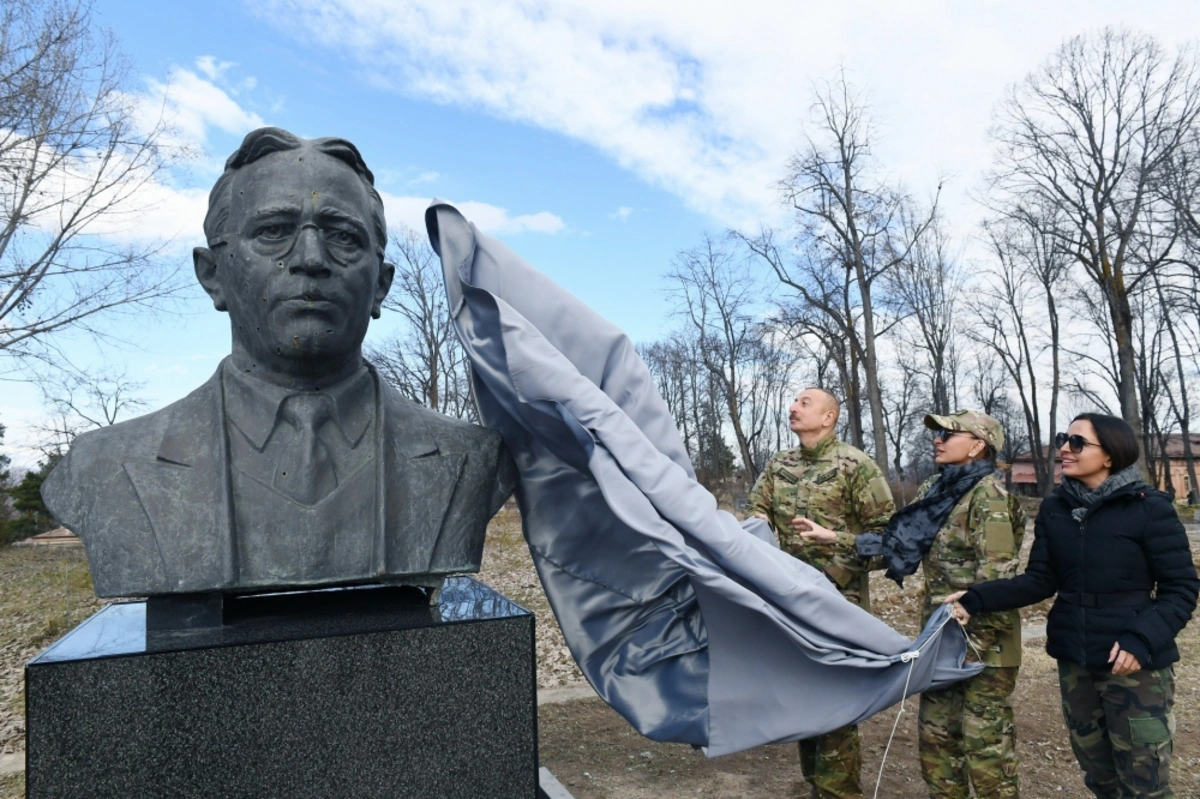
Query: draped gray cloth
694, 628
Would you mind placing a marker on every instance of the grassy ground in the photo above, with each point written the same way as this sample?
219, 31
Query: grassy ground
587, 746
46, 591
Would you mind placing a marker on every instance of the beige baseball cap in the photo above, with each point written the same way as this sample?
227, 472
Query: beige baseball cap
977, 423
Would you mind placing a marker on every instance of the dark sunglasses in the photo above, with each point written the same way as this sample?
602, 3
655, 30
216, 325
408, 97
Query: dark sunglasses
1076, 443
942, 435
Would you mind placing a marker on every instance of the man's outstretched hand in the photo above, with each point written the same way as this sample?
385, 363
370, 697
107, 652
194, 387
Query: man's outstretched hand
811, 531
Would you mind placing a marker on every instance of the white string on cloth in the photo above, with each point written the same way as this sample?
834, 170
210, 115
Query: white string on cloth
910, 659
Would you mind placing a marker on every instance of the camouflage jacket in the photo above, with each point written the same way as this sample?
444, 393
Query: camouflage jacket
981, 540
836, 486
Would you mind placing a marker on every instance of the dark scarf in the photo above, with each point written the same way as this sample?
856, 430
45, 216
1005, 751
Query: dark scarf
1090, 498
910, 533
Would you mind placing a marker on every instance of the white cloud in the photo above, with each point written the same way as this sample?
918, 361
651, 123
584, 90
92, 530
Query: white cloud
160, 212
425, 177
410, 212
212, 68
193, 105
706, 100
144, 206
623, 213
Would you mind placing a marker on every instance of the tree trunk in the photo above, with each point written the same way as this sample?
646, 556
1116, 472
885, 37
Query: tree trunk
1122, 319
854, 400
1047, 485
735, 417
874, 396
1184, 410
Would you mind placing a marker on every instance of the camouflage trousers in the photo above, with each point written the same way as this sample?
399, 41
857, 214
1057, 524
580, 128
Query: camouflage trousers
832, 763
967, 736
1121, 729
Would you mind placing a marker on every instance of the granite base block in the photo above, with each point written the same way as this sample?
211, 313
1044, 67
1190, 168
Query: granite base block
378, 696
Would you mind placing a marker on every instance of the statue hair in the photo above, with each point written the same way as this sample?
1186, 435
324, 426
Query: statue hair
265, 141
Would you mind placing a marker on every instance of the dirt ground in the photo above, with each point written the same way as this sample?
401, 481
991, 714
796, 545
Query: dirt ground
596, 755
592, 751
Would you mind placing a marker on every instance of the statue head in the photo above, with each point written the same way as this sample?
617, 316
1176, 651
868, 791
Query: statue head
296, 235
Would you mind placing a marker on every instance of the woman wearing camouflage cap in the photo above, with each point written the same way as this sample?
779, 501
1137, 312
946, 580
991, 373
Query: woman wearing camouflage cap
1112, 548
963, 528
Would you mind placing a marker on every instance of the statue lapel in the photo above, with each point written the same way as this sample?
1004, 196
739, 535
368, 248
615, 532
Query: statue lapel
185, 493
419, 484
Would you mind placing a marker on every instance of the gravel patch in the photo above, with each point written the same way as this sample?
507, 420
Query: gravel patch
508, 567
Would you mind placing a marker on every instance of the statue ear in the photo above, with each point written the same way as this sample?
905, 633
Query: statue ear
205, 261
387, 272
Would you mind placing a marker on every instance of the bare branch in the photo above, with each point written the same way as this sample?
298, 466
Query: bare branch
425, 361
74, 167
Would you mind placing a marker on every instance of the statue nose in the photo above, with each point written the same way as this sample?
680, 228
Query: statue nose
309, 256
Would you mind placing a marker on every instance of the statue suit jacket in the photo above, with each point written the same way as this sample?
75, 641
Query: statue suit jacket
150, 497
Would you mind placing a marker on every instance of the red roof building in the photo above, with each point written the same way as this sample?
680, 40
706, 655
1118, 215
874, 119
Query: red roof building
1024, 481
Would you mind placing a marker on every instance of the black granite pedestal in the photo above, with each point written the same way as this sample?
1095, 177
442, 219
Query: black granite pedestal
364, 692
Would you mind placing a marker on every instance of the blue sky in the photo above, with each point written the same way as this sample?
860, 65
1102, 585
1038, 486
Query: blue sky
596, 139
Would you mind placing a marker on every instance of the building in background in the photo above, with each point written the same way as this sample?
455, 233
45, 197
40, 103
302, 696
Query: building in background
1024, 481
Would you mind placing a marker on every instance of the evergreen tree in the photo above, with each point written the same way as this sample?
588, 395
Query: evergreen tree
5, 512
4, 463
33, 516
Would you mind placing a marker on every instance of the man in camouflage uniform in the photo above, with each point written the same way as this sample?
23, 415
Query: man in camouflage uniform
805, 493
966, 731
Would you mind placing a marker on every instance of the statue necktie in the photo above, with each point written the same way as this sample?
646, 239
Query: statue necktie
305, 471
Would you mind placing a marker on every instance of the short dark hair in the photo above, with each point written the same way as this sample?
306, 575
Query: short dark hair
1115, 437
834, 403
265, 141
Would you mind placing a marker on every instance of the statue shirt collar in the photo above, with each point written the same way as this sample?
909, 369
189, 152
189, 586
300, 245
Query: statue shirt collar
253, 404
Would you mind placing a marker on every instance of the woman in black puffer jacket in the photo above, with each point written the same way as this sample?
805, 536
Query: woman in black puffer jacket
1112, 548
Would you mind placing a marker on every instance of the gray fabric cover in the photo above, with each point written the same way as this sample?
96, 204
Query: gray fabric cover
691, 627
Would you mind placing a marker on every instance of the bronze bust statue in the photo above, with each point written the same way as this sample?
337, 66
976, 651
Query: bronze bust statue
295, 465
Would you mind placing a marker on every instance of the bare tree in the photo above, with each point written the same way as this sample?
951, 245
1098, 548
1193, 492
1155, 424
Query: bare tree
1180, 188
855, 220
1093, 349
696, 401
74, 164
1152, 334
81, 400
425, 361
1005, 323
990, 381
925, 287
824, 312
717, 295
1174, 302
1028, 235
1090, 132
774, 382
1019, 308
670, 366
901, 399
